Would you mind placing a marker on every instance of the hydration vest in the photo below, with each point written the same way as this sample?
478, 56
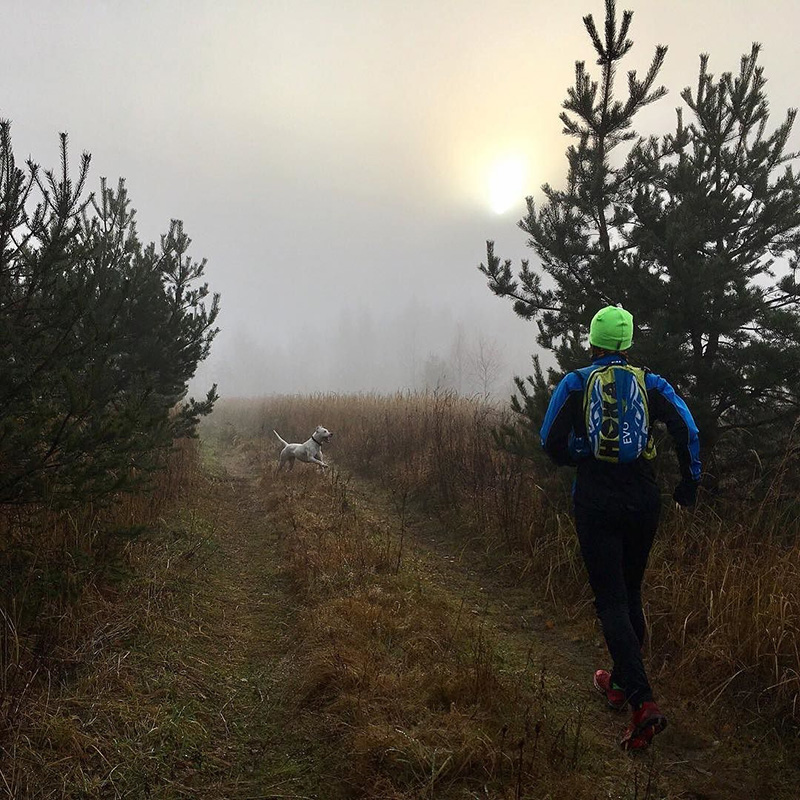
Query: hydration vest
617, 414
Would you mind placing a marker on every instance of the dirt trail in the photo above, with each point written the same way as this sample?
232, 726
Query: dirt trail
182, 689
691, 760
206, 703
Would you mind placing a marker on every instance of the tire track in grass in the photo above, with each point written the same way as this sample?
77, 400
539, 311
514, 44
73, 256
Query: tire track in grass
244, 596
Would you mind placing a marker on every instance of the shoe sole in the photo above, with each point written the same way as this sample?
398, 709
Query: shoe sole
602, 691
638, 740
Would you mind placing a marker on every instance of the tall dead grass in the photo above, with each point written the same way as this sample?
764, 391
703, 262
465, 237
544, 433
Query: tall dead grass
57, 569
722, 589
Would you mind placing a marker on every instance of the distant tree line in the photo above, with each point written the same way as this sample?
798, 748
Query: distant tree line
696, 232
99, 335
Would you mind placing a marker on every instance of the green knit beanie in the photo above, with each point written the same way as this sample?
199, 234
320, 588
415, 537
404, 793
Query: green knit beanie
611, 329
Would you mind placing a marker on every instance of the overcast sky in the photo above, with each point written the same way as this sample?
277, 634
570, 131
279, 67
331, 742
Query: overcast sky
341, 163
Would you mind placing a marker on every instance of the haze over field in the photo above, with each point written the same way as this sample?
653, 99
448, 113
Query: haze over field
341, 164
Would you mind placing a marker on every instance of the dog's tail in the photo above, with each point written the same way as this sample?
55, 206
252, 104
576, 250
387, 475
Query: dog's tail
280, 438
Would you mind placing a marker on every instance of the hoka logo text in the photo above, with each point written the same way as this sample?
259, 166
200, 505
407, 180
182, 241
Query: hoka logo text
609, 430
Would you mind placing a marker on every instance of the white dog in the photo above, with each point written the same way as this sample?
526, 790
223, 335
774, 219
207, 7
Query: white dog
309, 451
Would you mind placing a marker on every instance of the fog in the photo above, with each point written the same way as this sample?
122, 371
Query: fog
333, 160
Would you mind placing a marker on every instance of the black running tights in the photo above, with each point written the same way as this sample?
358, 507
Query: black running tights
615, 546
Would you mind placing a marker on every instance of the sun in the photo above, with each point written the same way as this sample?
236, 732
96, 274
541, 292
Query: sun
508, 177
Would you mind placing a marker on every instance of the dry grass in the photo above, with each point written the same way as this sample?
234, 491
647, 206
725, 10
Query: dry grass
318, 621
722, 597
724, 611
64, 600
422, 694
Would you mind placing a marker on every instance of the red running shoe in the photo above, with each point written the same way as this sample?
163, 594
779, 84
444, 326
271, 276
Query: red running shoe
614, 697
646, 722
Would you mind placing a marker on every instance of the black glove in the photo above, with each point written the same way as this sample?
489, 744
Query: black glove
685, 493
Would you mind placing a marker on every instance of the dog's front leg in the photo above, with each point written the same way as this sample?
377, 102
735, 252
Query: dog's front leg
319, 461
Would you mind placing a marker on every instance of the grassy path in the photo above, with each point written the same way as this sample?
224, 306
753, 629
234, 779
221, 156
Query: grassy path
510, 642
301, 638
238, 629
183, 692
244, 620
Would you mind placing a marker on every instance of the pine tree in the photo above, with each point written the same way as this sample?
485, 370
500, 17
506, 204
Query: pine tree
714, 229
99, 336
694, 232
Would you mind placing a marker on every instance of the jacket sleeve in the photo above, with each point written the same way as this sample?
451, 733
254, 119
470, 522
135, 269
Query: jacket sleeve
558, 426
666, 405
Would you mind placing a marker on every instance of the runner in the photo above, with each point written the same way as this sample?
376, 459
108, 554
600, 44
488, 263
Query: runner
600, 419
